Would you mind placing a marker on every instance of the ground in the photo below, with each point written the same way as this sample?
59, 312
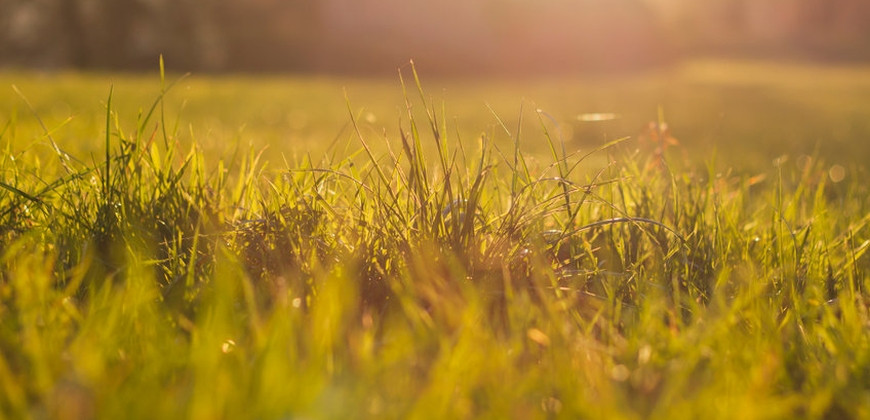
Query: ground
683, 243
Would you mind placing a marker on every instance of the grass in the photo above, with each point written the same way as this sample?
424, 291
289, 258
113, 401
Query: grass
426, 275
745, 114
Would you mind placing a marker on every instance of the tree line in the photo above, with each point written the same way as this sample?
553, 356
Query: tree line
129, 34
369, 35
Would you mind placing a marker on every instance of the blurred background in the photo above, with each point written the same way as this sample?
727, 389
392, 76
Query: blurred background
741, 82
511, 37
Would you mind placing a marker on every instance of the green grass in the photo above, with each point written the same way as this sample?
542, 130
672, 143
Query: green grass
745, 114
151, 269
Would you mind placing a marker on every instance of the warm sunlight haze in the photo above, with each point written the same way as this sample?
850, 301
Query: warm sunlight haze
391, 209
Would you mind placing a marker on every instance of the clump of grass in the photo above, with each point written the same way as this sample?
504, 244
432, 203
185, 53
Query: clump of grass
395, 283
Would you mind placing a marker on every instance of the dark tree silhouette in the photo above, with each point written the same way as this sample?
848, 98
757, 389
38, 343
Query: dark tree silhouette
72, 30
355, 35
270, 34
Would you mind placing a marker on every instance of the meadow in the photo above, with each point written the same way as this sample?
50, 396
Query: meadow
681, 243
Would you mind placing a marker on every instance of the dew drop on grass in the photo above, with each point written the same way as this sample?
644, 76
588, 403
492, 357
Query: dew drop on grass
644, 354
228, 346
597, 116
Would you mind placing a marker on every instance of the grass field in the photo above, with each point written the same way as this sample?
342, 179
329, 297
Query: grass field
319, 247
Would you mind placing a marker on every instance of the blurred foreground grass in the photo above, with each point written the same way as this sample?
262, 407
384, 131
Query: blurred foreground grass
153, 272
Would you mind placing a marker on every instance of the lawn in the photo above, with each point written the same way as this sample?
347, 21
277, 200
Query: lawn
744, 113
681, 243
